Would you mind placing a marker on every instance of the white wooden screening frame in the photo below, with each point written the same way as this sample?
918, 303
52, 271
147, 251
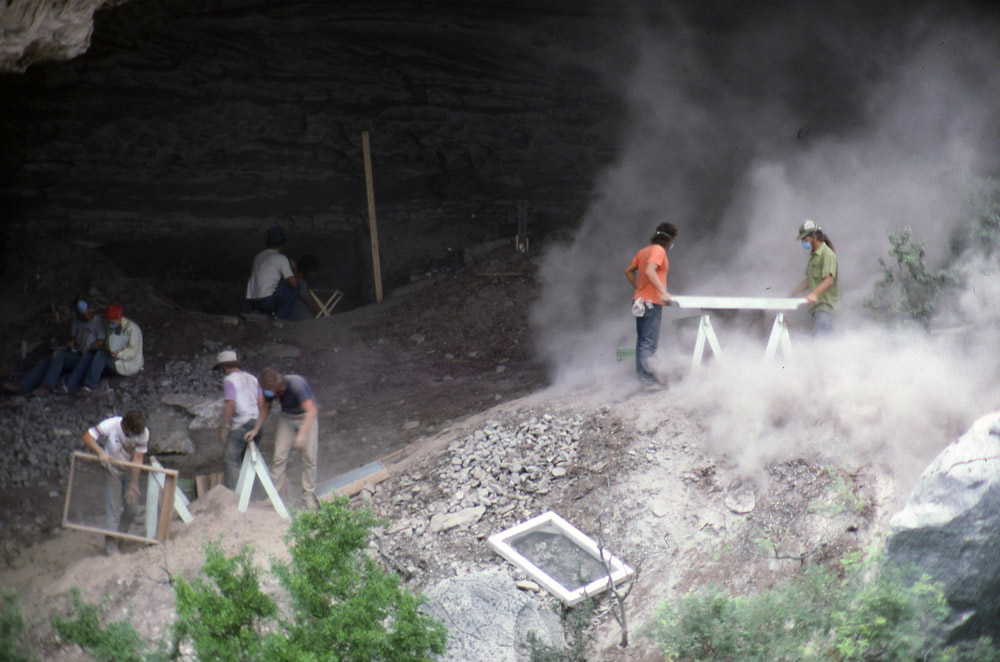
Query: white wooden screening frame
253, 468
779, 331
619, 571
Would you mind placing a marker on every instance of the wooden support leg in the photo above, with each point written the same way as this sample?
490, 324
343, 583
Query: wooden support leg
779, 339
152, 499
180, 499
254, 466
705, 334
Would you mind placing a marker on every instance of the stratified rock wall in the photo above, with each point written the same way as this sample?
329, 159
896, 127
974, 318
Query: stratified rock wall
227, 115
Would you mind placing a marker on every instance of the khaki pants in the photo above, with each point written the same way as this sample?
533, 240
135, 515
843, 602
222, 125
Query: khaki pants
288, 428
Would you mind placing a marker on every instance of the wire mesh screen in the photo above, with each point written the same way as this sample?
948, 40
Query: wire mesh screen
558, 556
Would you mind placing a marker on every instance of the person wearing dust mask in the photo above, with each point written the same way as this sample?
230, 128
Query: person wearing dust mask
821, 282
647, 272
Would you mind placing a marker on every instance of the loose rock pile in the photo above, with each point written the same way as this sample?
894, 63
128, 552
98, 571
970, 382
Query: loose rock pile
484, 483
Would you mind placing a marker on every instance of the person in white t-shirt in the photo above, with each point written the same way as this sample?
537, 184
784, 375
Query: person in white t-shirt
239, 413
125, 439
273, 288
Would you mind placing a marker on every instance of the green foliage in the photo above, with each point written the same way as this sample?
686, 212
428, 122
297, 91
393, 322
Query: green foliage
576, 621
11, 629
115, 642
224, 621
908, 289
343, 606
870, 611
982, 234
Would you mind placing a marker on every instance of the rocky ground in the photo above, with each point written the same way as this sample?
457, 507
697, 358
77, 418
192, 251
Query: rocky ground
440, 383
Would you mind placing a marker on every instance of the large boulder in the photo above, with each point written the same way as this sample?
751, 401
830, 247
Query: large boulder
950, 528
489, 618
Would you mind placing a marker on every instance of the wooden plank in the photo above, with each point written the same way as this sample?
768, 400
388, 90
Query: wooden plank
372, 227
737, 303
205, 482
110, 533
166, 506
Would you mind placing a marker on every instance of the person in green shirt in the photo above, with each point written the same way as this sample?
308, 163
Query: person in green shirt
822, 276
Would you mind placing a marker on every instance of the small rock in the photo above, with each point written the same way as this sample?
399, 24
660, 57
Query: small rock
558, 472
527, 585
411, 425
661, 508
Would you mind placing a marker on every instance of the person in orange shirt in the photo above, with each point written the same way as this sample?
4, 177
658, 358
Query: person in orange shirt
647, 272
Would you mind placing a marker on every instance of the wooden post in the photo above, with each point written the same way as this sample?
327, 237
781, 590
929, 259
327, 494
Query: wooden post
376, 265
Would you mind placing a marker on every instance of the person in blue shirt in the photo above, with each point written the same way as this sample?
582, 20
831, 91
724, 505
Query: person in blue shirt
298, 428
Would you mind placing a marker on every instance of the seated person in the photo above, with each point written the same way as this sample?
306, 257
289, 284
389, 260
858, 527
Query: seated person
121, 353
273, 288
87, 332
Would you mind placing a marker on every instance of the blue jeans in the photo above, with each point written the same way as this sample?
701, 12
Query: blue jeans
49, 370
822, 323
647, 332
118, 483
90, 369
80, 370
281, 303
235, 449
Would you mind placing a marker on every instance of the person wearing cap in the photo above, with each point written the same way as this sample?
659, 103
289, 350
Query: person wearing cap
298, 428
87, 332
121, 353
239, 413
821, 281
273, 288
125, 439
647, 272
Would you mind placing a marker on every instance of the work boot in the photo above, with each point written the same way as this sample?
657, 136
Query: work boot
110, 546
310, 501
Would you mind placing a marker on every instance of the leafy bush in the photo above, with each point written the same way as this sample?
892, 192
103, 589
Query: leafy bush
224, 622
342, 605
11, 629
870, 612
116, 642
908, 289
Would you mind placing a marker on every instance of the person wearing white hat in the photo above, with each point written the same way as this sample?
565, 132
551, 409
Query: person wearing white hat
822, 274
239, 413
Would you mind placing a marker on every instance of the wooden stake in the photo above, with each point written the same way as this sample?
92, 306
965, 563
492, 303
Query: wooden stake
376, 265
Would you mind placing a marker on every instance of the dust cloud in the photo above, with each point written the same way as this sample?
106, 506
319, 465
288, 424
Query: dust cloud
866, 120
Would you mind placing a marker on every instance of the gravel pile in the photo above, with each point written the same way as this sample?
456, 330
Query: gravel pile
489, 480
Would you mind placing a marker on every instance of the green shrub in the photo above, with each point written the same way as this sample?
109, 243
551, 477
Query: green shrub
342, 602
115, 642
343, 606
908, 289
224, 621
11, 630
870, 611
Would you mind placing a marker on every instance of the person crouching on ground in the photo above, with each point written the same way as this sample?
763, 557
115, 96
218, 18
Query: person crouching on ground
124, 438
647, 272
821, 280
121, 353
273, 288
239, 413
298, 428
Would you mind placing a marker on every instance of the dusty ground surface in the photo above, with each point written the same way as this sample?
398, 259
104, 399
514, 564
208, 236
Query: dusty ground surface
410, 381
